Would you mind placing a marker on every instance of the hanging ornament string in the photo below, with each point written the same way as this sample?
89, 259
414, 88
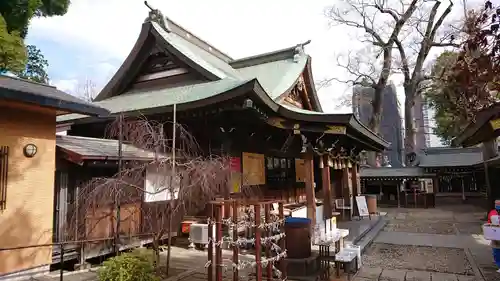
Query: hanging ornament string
249, 224
251, 264
246, 222
248, 241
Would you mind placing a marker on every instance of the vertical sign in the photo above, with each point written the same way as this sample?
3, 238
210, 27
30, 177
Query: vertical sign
300, 170
235, 167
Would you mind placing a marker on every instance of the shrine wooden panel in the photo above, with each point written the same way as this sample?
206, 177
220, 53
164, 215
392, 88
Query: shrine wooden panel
253, 169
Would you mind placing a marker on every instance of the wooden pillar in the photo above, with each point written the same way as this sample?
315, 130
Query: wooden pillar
356, 182
347, 189
327, 188
398, 191
227, 149
310, 194
463, 187
356, 188
490, 150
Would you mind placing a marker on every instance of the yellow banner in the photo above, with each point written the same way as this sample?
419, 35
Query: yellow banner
300, 170
495, 124
254, 169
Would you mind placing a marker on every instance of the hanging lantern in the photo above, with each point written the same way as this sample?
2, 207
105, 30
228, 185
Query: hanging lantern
330, 161
343, 164
335, 164
321, 165
349, 164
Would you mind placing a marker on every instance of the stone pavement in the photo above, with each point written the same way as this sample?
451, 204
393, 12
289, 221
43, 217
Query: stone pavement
426, 239
438, 244
371, 274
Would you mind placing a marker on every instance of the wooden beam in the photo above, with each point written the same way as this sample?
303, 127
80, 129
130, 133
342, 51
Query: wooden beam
347, 189
162, 74
327, 188
310, 194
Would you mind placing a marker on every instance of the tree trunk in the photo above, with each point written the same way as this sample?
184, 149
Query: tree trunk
374, 125
169, 243
410, 133
156, 250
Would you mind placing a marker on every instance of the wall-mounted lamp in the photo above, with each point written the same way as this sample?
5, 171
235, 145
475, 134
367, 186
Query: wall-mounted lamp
248, 103
30, 150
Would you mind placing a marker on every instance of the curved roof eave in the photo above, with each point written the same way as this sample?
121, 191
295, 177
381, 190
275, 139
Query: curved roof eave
136, 57
126, 66
251, 86
309, 76
482, 117
345, 119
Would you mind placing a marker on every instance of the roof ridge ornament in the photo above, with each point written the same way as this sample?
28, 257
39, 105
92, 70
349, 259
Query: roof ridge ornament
299, 50
156, 16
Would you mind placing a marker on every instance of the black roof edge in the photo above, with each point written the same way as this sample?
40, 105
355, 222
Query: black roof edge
347, 119
126, 66
253, 86
52, 102
245, 88
472, 128
314, 93
360, 127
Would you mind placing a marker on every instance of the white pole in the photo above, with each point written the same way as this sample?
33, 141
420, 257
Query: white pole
173, 146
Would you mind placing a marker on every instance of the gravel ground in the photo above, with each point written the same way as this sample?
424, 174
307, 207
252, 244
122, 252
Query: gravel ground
445, 260
419, 226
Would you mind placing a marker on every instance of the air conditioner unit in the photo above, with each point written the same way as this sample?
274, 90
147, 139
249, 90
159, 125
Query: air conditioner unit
198, 233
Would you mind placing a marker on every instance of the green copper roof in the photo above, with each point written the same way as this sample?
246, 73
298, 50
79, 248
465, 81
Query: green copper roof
278, 76
150, 99
276, 72
199, 56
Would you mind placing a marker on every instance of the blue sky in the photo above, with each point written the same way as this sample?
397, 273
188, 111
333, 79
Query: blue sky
95, 36
70, 64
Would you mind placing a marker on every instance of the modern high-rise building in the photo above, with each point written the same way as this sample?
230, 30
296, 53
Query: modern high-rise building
391, 127
421, 124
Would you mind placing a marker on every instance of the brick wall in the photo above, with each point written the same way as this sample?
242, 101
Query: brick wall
28, 217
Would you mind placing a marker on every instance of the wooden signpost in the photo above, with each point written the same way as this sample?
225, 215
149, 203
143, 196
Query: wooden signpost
362, 207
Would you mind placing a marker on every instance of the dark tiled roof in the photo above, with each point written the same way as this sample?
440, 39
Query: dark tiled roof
450, 157
16, 89
410, 172
94, 148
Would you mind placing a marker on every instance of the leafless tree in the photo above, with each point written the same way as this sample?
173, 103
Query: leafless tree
411, 29
86, 90
148, 191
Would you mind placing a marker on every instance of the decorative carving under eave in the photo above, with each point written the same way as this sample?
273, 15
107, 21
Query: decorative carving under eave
298, 94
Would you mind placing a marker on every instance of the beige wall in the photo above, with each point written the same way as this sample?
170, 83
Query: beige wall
28, 217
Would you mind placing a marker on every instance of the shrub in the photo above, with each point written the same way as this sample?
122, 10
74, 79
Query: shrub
134, 266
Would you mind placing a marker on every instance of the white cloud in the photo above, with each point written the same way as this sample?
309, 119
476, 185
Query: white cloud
68, 86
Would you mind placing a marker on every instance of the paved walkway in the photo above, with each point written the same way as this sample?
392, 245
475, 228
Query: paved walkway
426, 239
371, 274
420, 237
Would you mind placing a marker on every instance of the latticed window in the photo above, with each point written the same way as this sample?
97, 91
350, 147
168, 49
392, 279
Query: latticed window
4, 169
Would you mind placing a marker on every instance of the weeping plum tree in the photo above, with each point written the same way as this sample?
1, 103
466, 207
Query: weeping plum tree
150, 197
